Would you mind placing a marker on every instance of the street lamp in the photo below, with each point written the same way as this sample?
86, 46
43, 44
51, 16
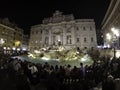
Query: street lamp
1, 43
115, 37
108, 40
108, 36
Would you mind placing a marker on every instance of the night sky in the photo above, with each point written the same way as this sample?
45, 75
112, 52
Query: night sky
26, 13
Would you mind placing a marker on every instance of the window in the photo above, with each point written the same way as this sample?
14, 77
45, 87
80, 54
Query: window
90, 28
92, 39
77, 39
69, 41
46, 32
36, 32
92, 48
85, 40
53, 40
35, 47
41, 31
46, 40
83, 28
68, 31
77, 28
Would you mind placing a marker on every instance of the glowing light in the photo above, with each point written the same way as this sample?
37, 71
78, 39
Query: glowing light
45, 58
2, 41
18, 49
36, 51
14, 48
117, 53
24, 49
55, 59
58, 38
61, 48
4, 48
77, 52
43, 49
100, 46
8, 48
112, 29
17, 43
108, 36
85, 58
108, 46
105, 46
115, 31
31, 55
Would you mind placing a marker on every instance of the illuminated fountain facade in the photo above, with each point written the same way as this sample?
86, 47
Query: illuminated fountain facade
63, 31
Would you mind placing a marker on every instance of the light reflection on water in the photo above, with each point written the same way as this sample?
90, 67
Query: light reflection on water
85, 60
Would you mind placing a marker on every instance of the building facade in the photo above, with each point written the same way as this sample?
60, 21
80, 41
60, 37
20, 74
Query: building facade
25, 43
10, 35
111, 25
63, 30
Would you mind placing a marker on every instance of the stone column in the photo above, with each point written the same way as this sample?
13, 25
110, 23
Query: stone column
64, 37
73, 36
50, 37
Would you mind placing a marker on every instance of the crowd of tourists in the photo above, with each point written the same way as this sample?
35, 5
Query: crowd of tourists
17, 74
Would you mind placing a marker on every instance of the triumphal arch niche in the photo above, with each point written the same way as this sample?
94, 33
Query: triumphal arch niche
57, 37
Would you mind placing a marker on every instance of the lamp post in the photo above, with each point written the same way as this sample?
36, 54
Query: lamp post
115, 37
114, 50
1, 43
